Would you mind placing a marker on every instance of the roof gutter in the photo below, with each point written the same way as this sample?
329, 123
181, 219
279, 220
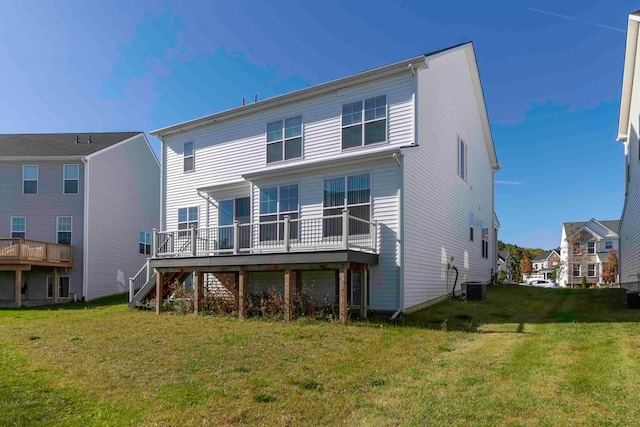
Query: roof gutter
628, 76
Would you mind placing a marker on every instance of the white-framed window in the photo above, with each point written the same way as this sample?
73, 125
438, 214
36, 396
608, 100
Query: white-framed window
577, 270
63, 286
471, 225
591, 247
608, 244
238, 209
284, 139
577, 248
462, 159
275, 203
357, 132
352, 193
71, 177
18, 227
30, 179
63, 229
485, 240
145, 243
187, 218
188, 161
591, 270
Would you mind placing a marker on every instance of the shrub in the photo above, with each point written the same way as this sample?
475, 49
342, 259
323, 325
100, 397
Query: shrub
585, 285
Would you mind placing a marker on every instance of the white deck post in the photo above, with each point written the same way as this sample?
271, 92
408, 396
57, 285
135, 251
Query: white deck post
148, 271
131, 290
236, 237
374, 236
345, 229
194, 246
154, 242
286, 233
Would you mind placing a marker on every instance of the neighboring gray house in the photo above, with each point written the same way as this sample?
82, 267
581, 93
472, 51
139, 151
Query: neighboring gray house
76, 214
504, 264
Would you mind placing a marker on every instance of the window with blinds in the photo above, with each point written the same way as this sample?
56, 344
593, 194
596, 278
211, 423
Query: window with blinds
352, 193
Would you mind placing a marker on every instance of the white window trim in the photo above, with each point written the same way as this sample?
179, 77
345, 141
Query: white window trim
283, 140
363, 122
64, 178
466, 159
345, 205
278, 211
594, 270
589, 249
178, 222
192, 156
579, 270
36, 180
11, 231
605, 245
64, 231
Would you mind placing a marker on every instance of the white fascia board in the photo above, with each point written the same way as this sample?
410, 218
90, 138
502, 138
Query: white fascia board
628, 75
124, 141
225, 186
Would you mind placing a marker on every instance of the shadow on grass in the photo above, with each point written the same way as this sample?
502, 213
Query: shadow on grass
111, 300
517, 306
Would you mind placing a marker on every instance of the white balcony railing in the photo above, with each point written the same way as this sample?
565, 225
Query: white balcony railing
286, 235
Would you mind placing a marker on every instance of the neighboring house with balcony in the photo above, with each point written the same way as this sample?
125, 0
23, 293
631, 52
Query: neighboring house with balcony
364, 191
544, 263
628, 133
76, 214
584, 248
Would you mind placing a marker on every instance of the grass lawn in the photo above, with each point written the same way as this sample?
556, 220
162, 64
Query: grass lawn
525, 356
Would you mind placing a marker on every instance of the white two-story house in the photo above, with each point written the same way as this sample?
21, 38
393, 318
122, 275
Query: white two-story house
370, 190
628, 134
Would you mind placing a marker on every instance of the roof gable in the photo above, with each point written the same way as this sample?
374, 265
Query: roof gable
58, 144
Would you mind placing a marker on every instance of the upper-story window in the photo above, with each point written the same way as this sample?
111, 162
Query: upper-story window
71, 176
63, 229
189, 157
576, 248
591, 247
471, 224
275, 203
356, 199
462, 159
18, 227
187, 218
30, 179
284, 139
608, 244
577, 270
357, 132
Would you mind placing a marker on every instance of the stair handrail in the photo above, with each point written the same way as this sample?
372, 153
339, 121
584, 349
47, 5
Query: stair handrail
144, 272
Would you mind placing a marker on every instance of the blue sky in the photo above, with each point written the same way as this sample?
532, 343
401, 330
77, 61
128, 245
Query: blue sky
551, 71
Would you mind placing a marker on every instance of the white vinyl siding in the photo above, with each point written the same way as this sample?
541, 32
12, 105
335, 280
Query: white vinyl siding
233, 147
437, 201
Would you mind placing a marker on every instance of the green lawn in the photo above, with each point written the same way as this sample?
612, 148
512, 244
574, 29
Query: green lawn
523, 357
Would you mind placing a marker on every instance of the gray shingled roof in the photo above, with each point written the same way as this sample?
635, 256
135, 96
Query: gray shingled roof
503, 254
543, 256
611, 224
59, 144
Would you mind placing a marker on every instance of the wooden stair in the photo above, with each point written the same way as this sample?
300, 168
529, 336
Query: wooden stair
148, 290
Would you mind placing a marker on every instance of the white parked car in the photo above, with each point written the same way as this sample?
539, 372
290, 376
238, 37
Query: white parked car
543, 283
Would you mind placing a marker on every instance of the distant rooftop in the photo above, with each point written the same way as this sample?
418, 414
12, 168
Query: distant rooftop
611, 224
59, 144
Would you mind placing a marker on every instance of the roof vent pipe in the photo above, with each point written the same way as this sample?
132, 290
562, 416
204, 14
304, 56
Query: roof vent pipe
243, 101
89, 142
77, 140
255, 97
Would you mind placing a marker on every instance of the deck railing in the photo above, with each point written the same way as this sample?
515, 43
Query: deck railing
25, 250
284, 235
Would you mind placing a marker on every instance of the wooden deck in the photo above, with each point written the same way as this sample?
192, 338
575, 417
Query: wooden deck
22, 253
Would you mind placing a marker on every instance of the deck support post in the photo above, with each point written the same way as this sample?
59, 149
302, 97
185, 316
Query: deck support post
132, 291
363, 292
198, 288
56, 286
288, 295
159, 283
242, 291
17, 288
343, 307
